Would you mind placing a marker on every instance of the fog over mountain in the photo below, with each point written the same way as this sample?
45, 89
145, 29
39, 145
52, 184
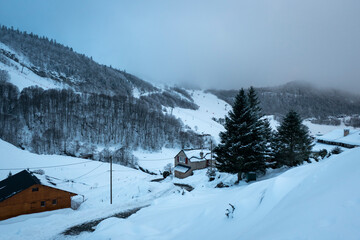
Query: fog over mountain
210, 44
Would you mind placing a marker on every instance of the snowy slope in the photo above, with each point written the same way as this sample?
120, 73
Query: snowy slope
201, 120
23, 77
156, 161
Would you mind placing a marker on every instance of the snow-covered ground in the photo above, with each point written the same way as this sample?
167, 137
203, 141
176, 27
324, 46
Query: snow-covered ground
317, 129
156, 161
131, 188
313, 201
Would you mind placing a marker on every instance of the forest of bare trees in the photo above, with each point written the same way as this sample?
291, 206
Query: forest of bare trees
64, 122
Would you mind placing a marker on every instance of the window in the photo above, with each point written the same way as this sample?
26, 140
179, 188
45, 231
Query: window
35, 189
54, 201
182, 160
42, 203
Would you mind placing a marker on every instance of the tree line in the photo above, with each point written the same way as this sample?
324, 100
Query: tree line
65, 122
308, 101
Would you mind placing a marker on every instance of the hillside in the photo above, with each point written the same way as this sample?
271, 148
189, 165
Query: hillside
61, 66
54, 100
307, 100
305, 202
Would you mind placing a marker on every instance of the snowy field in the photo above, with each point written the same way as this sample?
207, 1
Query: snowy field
317, 129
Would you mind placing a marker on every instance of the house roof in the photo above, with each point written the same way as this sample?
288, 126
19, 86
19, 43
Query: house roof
337, 136
16, 183
181, 168
194, 155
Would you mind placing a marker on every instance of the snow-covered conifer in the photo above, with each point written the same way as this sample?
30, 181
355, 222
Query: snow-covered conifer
292, 143
242, 146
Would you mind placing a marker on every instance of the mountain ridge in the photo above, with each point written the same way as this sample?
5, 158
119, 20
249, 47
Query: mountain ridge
305, 98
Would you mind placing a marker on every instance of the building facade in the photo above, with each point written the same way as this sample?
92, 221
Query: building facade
186, 161
23, 193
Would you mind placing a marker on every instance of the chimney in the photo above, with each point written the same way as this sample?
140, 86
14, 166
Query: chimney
346, 132
201, 154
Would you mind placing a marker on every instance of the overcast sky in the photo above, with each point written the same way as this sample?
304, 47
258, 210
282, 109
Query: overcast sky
211, 44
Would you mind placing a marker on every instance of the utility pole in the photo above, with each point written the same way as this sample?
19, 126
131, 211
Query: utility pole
211, 154
110, 179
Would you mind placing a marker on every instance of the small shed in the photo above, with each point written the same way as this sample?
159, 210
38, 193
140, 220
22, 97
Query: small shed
23, 193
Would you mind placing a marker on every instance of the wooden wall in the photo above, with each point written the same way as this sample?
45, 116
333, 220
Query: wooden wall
29, 201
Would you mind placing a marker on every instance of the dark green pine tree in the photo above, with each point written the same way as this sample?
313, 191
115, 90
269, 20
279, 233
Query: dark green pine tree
293, 144
256, 162
239, 151
268, 135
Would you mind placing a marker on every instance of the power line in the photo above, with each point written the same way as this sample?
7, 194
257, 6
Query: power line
156, 159
64, 165
89, 171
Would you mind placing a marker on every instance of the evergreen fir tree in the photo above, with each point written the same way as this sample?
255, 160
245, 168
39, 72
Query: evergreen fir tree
242, 147
268, 135
259, 139
293, 143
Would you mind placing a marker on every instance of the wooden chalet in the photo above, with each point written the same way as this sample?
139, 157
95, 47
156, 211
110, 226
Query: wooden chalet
186, 161
23, 193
